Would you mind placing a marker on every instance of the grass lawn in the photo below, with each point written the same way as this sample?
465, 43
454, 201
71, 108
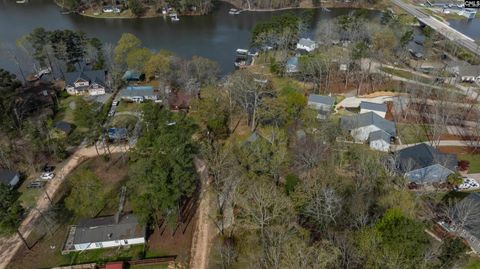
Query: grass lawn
29, 197
124, 121
128, 106
473, 263
411, 133
406, 74
474, 160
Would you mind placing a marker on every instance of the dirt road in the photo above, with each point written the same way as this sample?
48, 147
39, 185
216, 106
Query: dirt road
9, 246
204, 231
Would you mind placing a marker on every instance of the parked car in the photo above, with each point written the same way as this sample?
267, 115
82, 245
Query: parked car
47, 176
48, 168
115, 103
36, 185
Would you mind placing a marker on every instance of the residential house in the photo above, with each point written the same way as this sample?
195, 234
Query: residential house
322, 103
139, 93
105, 232
9, 177
306, 44
132, 75
379, 109
63, 126
86, 82
360, 126
117, 133
292, 65
380, 140
424, 164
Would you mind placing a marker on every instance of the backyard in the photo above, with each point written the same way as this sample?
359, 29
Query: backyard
47, 240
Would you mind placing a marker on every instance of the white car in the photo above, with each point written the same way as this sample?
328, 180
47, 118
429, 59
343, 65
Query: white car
47, 176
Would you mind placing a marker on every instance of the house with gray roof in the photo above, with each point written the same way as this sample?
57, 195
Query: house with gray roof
139, 93
292, 65
380, 140
105, 232
424, 164
379, 109
9, 177
322, 103
86, 82
360, 126
306, 44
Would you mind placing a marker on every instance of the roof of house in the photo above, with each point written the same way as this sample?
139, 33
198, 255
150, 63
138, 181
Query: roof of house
373, 106
132, 91
321, 99
306, 42
366, 119
469, 70
94, 76
63, 126
106, 229
423, 155
292, 64
6, 176
117, 133
131, 75
380, 135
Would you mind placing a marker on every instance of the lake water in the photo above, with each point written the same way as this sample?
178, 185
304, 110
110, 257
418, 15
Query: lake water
215, 36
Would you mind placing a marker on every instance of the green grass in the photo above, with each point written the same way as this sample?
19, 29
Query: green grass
406, 74
473, 263
29, 197
124, 121
127, 106
411, 133
474, 160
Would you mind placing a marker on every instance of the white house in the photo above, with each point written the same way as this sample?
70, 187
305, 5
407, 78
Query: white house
306, 44
379, 109
322, 103
105, 232
91, 82
380, 140
9, 177
360, 126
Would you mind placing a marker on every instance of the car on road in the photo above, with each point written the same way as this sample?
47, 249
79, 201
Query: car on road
469, 184
115, 103
36, 185
47, 176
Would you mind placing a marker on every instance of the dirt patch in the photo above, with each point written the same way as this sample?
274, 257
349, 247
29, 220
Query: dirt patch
379, 94
110, 172
457, 150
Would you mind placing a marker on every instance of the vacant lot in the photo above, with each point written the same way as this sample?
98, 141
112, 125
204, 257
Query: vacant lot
465, 153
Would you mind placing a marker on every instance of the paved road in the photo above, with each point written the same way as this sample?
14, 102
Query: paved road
440, 27
9, 246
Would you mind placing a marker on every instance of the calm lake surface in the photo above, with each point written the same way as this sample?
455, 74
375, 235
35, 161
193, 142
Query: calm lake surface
215, 36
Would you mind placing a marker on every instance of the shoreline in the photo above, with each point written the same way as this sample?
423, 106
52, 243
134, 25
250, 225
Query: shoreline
330, 5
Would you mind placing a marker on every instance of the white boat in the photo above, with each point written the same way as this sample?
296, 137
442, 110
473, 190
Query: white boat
21, 1
174, 17
233, 11
242, 51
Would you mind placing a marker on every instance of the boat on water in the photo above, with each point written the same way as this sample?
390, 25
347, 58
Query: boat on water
234, 11
326, 9
174, 17
21, 1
